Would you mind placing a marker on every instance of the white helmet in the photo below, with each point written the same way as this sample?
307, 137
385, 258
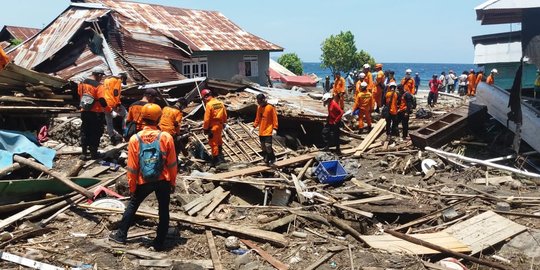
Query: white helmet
326, 97
367, 66
97, 70
363, 84
494, 71
408, 71
362, 75
392, 84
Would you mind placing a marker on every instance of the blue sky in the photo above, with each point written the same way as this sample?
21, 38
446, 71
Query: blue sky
418, 31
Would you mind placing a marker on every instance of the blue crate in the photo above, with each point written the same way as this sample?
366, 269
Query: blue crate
330, 172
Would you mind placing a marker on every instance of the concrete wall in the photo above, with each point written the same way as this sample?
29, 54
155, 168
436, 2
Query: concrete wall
225, 65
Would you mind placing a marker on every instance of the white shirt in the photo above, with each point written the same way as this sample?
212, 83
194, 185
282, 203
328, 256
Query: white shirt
451, 78
463, 79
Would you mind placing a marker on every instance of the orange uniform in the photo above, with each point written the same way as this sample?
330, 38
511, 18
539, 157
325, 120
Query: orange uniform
171, 117
364, 103
4, 59
471, 87
358, 88
408, 85
113, 90
214, 119
369, 81
392, 96
166, 145
96, 90
479, 78
134, 113
378, 89
490, 79
339, 89
266, 120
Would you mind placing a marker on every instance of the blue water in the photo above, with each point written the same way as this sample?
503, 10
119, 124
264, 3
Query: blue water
425, 70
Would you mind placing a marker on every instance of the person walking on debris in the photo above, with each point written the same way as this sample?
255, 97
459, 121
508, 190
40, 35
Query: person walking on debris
379, 87
462, 90
113, 93
471, 83
364, 104
451, 81
215, 119
339, 89
491, 78
408, 82
171, 122
333, 121
405, 107
389, 112
93, 104
416, 82
434, 86
151, 167
267, 122
134, 120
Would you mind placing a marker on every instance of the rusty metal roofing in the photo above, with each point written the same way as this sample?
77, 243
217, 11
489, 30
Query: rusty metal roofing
20, 33
202, 30
4, 44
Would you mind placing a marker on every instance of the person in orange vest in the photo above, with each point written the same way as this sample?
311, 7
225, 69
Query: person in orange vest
113, 93
408, 82
93, 104
339, 89
364, 104
171, 122
4, 59
491, 78
267, 122
391, 100
151, 168
379, 87
471, 83
358, 88
369, 77
479, 78
404, 104
215, 120
133, 120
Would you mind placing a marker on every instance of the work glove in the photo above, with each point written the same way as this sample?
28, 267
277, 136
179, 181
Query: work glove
114, 114
274, 132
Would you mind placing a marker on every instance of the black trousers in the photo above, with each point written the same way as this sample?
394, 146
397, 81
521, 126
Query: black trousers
266, 146
162, 189
451, 88
333, 135
404, 120
92, 128
432, 99
391, 125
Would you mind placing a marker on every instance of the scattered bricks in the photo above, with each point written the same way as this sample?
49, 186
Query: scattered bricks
503, 206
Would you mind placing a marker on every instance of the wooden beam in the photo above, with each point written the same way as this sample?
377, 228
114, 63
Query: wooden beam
216, 261
19, 216
298, 189
217, 200
273, 261
367, 200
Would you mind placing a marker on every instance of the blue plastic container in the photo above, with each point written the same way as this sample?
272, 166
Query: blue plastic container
330, 172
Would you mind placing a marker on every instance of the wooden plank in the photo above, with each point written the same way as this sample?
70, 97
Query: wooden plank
298, 189
94, 171
199, 207
393, 244
364, 185
494, 180
273, 261
205, 264
215, 202
207, 197
354, 210
320, 261
19, 216
216, 261
377, 129
367, 200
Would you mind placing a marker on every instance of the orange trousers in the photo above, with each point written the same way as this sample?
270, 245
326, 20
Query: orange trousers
216, 141
364, 114
377, 96
471, 91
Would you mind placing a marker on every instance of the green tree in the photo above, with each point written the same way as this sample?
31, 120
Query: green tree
339, 53
15, 42
292, 62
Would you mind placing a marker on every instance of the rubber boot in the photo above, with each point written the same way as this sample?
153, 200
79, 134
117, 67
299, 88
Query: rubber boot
220, 157
84, 154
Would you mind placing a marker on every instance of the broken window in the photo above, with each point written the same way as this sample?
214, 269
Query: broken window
251, 63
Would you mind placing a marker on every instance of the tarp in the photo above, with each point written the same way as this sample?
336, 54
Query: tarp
15, 142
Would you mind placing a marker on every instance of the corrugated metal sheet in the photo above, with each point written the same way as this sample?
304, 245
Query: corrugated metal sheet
201, 30
21, 33
503, 11
13, 77
4, 44
497, 53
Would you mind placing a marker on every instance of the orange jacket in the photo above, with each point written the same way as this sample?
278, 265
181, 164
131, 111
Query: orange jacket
339, 86
113, 90
478, 79
266, 120
379, 82
166, 145
134, 113
363, 101
95, 89
408, 85
393, 105
4, 59
369, 81
215, 114
171, 117
358, 88
490, 80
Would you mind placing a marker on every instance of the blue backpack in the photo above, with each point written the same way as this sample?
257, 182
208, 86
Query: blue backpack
150, 159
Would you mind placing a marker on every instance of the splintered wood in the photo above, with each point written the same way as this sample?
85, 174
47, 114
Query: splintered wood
393, 244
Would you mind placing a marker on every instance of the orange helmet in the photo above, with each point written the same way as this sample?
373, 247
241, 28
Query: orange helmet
151, 111
378, 66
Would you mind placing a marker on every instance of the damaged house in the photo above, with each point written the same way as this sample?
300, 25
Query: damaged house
152, 43
11, 36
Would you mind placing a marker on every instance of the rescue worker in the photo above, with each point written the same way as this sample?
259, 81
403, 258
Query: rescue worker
267, 122
491, 78
339, 89
134, 121
405, 101
379, 86
113, 93
335, 113
364, 103
4, 59
408, 83
140, 186
479, 78
471, 83
369, 77
361, 79
93, 104
171, 122
391, 100
215, 119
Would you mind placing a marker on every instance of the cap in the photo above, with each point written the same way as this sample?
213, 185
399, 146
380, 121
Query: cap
98, 70
496, 71
363, 84
392, 84
416, 73
151, 92
366, 66
409, 71
362, 75
326, 97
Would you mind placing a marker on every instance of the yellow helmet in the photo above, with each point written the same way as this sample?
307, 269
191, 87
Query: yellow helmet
151, 111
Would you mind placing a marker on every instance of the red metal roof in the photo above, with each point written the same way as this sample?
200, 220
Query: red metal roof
303, 80
21, 33
202, 30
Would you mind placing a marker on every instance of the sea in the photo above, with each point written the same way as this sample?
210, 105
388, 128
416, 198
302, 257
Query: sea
425, 70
